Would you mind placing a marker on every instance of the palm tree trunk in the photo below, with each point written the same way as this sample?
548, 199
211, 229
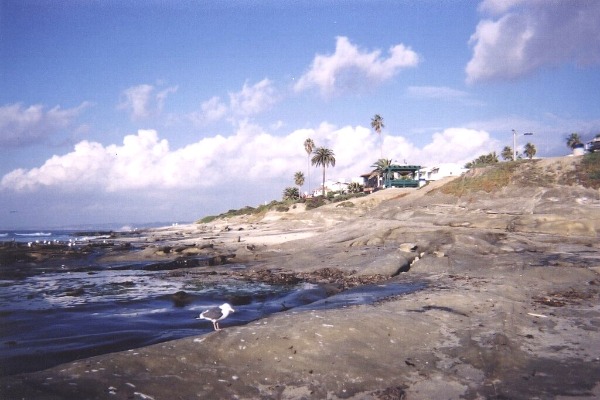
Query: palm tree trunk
308, 171
324, 193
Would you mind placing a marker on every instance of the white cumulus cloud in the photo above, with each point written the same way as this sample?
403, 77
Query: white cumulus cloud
350, 67
22, 126
143, 101
524, 36
250, 100
246, 158
459, 145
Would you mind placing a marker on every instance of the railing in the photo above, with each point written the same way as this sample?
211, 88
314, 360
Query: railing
401, 183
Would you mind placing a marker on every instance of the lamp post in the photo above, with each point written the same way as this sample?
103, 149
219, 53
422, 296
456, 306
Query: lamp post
515, 142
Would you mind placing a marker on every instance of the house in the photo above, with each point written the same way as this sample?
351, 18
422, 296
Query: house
332, 186
392, 176
401, 176
370, 182
440, 171
594, 145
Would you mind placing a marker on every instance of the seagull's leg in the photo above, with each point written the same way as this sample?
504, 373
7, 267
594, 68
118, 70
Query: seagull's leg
215, 325
218, 327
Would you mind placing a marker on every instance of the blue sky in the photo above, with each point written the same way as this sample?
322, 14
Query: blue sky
138, 111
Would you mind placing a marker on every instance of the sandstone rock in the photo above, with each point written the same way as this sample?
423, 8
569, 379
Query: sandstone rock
376, 241
408, 247
390, 265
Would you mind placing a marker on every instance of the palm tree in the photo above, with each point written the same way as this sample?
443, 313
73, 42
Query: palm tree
573, 140
309, 146
323, 157
486, 159
291, 193
377, 124
380, 166
507, 153
299, 179
529, 150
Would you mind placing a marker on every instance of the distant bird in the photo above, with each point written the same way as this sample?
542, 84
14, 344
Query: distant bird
216, 314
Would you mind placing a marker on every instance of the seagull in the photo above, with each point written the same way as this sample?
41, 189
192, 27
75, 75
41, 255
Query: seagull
216, 314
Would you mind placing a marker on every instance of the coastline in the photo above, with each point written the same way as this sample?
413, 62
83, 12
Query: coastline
510, 308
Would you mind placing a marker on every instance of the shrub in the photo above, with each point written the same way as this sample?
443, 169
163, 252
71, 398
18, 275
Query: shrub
315, 202
207, 219
355, 187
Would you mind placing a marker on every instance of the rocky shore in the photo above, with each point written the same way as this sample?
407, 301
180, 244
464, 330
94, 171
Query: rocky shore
509, 307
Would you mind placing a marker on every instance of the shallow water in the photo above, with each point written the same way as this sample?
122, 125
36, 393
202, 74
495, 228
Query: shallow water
52, 318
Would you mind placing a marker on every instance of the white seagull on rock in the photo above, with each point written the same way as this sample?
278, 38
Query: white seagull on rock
216, 314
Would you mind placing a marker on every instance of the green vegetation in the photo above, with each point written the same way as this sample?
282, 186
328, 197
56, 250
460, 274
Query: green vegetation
299, 179
481, 161
247, 210
530, 150
573, 140
309, 146
507, 153
323, 157
291, 193
284, 206
315, 202
355, 187
379, 168
377, 125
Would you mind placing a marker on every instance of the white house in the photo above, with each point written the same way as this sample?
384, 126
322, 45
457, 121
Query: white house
332, 186
440, 171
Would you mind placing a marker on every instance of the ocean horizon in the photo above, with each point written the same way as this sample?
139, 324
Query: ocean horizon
71, 232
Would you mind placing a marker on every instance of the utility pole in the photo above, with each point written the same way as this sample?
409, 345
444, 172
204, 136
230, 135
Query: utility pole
515, 142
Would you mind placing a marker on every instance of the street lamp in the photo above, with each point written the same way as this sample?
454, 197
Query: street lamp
515, 142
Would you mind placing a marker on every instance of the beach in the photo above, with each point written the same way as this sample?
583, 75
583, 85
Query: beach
503, 302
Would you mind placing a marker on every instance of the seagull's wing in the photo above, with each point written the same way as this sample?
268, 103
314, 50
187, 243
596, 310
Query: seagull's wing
212, 314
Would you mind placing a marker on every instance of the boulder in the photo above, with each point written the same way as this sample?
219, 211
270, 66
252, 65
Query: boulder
390, 265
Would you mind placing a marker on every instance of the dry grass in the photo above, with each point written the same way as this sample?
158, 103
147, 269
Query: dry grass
589, 171
583, 171
487, 179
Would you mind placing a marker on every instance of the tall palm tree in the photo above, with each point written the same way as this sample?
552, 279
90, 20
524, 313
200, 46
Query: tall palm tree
299, 179
309, 146
377, 124
529, 150
380, 166
323, 157
573, 140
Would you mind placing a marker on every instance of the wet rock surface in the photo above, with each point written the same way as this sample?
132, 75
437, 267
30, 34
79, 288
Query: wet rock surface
509, 308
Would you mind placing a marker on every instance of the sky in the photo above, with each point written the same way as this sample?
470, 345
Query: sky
129, 112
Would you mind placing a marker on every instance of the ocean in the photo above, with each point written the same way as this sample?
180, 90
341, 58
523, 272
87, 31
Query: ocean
72, 307
48, 235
